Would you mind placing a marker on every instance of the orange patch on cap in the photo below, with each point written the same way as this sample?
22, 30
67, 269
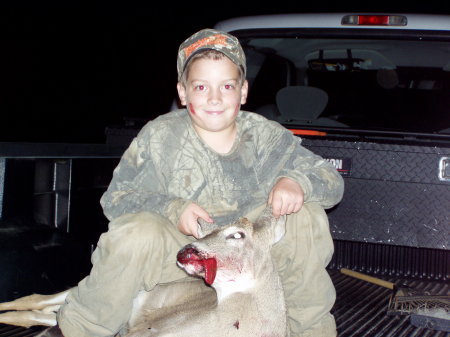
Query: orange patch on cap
207, 41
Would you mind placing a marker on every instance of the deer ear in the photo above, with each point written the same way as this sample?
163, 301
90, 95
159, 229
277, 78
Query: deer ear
278, 226
204, 227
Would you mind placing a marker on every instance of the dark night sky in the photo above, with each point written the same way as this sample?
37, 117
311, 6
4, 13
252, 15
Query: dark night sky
68, 69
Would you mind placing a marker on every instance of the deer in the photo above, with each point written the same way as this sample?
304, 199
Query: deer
232, 288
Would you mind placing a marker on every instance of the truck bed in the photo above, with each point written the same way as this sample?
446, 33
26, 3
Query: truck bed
392, 222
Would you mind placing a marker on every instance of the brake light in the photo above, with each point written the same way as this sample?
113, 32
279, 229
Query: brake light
374, 20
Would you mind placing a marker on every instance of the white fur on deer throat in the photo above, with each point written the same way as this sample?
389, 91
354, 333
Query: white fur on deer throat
226, 287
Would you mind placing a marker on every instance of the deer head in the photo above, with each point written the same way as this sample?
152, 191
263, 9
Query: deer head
236, 252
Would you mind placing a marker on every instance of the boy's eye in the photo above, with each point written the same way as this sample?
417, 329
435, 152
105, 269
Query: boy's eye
229, 86
199, 87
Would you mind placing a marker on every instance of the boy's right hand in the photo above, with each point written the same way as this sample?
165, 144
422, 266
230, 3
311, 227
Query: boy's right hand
188, 223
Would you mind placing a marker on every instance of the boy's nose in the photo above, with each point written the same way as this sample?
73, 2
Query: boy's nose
215, 96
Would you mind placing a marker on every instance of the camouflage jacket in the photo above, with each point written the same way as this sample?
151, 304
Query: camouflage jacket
167, 166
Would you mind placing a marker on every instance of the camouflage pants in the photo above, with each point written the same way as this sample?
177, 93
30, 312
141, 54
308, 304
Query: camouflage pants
139, 250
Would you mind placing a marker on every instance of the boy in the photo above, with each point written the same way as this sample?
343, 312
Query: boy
215, 162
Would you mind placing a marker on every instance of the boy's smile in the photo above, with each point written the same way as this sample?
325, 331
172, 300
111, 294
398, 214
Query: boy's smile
213, 95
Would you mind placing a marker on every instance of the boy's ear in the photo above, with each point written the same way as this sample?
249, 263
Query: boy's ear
181, 93
244, 92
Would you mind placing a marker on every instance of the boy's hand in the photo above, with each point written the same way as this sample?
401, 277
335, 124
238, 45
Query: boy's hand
286, 197
188, 224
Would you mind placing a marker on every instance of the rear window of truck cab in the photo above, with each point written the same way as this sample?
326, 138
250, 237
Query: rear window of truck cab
326, 79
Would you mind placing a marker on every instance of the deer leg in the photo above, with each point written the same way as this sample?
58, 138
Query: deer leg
32, 310
28, 318
35, 302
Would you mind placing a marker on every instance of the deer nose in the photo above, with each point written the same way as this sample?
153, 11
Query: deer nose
188, 253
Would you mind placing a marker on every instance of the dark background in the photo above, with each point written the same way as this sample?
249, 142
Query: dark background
69, 69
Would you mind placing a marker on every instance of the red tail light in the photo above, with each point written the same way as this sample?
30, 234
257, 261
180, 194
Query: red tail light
374, 20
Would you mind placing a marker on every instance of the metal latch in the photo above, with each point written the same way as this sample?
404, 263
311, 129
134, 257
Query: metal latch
444, 169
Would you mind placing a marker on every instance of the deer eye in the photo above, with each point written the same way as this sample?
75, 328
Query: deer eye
237, 235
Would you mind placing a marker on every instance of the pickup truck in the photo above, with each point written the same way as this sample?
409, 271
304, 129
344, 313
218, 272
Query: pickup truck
370, 93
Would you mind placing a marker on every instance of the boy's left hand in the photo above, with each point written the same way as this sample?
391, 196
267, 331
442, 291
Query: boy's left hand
286, 197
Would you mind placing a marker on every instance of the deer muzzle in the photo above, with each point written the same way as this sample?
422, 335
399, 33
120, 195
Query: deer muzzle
203, 266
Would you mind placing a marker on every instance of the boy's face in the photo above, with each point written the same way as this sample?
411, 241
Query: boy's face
213, 94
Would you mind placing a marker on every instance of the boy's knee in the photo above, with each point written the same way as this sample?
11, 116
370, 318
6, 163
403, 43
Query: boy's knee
309, 214
137, 224
136, 230
307, 240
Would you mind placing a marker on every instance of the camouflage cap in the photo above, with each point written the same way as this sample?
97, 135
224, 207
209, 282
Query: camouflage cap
210, 39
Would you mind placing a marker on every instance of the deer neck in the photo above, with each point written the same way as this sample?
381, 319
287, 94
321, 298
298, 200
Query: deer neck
242, 284
259, 282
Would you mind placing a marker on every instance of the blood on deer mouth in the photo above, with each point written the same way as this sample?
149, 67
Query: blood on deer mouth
190, 256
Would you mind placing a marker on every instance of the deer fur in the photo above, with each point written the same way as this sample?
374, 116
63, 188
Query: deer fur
243, 295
